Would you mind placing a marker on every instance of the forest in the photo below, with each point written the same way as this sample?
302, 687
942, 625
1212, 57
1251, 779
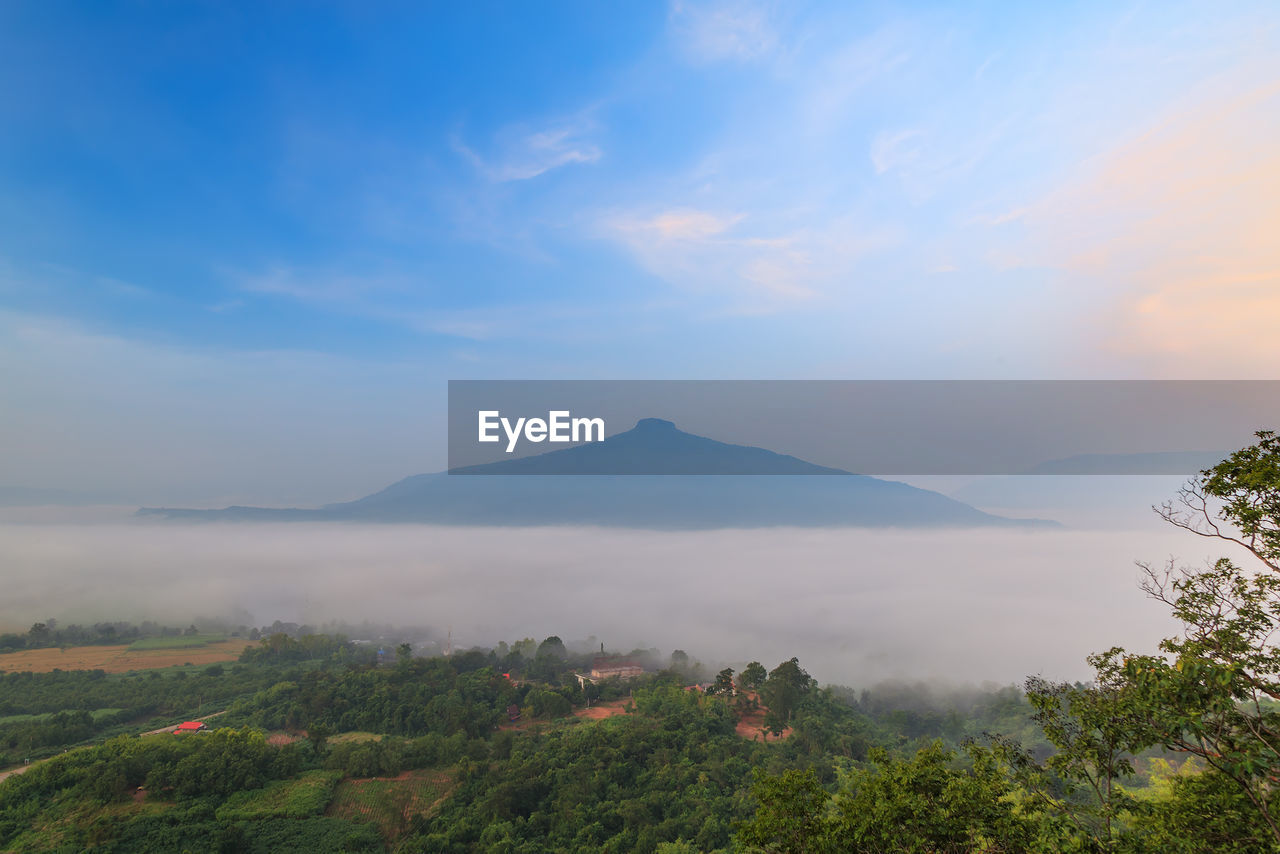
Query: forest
315, 743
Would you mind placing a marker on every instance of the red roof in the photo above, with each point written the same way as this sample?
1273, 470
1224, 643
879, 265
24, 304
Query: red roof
190, 725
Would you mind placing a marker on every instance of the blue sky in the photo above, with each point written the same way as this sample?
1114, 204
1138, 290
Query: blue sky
242, 246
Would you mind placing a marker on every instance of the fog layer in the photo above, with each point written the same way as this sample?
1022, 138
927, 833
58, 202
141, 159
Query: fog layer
856, 606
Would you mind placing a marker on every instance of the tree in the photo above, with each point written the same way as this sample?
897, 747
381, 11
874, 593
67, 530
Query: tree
1212, 691
786, 686
789, 815
1238, 501
552, 648
318, 734
925, 804
1197, 810
404, 653
921, 804
723, 684
679, 660
753, 675
1096, 729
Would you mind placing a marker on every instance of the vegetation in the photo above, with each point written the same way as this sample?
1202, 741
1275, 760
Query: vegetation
179, 642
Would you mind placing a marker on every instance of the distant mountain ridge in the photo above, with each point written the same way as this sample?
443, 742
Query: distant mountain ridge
652, 476
653, 446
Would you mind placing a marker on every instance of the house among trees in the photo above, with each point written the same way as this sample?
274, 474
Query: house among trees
609, 667
191, 726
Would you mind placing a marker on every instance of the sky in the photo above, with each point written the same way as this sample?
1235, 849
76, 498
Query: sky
244, 246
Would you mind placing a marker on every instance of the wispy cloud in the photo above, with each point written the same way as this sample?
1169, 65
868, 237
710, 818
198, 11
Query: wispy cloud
724, 30
892, 150
681, 224
756, 267
519, 153
292, 282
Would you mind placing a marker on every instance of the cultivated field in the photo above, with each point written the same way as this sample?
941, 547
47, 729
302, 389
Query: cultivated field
176, 642
390, 802
117, 659
301, 797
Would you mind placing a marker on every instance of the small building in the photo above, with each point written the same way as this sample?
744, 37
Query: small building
605, 667
191, 726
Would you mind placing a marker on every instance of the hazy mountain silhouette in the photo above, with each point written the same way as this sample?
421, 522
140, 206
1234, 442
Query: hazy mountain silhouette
652, 476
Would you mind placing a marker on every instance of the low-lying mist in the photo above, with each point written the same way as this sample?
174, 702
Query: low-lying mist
856, 606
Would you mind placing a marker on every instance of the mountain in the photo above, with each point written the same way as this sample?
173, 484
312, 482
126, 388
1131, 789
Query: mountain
654, 447
652, 476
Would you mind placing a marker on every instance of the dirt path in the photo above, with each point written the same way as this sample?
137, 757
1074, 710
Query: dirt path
13, 772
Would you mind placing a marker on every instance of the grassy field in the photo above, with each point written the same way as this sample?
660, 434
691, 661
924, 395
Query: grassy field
389, 802
175, 642
302, 797
117, 659
355, 737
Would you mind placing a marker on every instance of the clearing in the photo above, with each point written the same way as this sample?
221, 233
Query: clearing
119, 658
750, 724
600, 711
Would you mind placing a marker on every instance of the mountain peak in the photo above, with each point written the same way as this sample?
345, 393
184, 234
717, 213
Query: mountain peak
653, 425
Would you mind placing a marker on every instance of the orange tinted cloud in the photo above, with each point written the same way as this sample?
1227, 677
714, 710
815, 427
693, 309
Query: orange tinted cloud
1175, 235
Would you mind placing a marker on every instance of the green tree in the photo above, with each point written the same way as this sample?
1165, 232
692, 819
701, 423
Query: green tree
789, 816
753, 675
1096, 730
552, 649
723, 684
786, 686
38, 634
1212, 690
318, 734
923, 804
1198, 811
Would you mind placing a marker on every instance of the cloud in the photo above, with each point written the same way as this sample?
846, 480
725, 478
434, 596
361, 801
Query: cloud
755, 265
894, 150
318, 286
680, 224
707, 251
1173, 233
520, 154
729, 30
